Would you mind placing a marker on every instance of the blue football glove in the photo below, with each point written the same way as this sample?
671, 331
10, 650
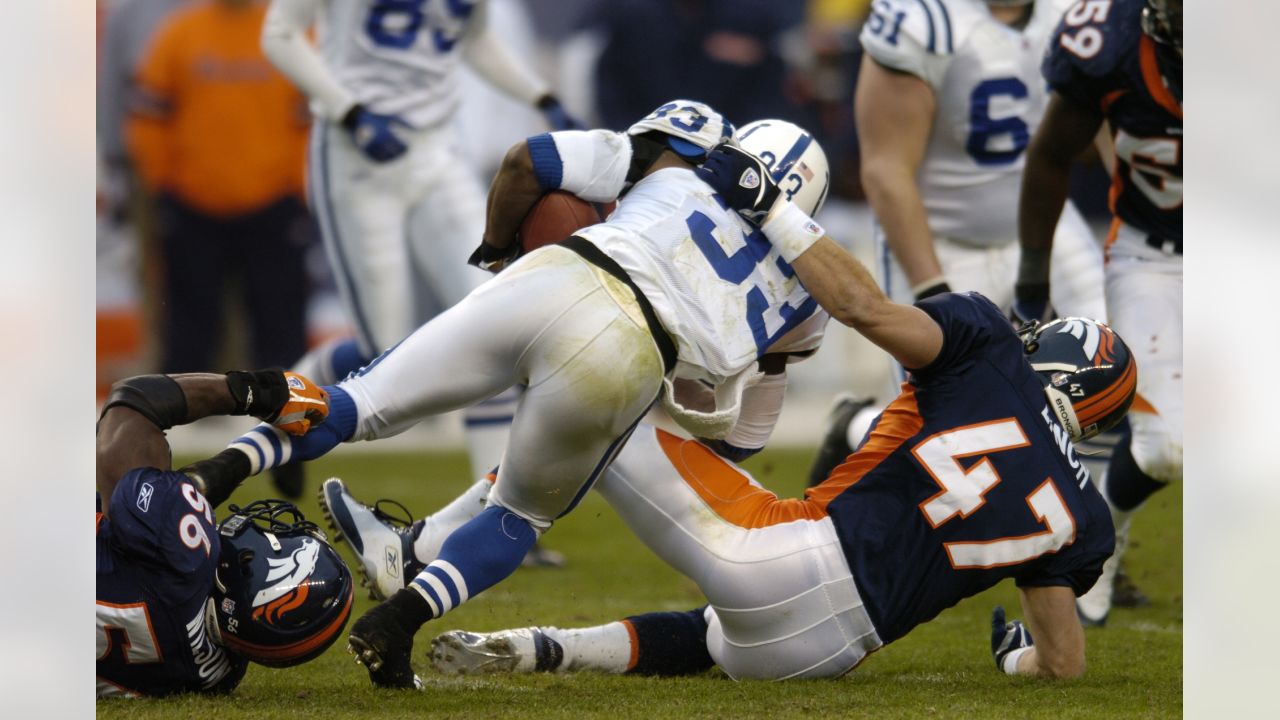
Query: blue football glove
741, 179
555, 114
375, 134
1007, 636
1031, 303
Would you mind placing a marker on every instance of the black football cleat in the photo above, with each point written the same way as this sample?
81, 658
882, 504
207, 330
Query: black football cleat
835, 444
383, 643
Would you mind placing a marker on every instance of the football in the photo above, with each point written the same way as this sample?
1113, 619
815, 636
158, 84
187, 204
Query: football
556, 216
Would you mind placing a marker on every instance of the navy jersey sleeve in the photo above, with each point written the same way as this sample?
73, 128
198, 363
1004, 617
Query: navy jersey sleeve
969, 323
1085, 51
159, 520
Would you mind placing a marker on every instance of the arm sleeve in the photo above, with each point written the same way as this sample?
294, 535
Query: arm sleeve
591, 164
488, 56
285, 43
967, 322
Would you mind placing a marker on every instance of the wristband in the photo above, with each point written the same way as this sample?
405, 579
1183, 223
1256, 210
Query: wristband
1010, 663
791, 230
932, 286
261, 394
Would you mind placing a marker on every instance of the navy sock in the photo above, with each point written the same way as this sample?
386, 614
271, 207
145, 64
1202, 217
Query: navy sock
347, 358
1127, 486
474, 558
671, 643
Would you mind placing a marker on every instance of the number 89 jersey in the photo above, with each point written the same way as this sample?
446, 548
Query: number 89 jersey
964, 480
398, 57
156, 556
990, 98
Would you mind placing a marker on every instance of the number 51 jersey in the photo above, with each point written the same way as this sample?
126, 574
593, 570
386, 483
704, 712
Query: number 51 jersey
964, 480
157, 551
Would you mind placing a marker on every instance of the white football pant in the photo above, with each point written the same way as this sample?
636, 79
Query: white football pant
783, 602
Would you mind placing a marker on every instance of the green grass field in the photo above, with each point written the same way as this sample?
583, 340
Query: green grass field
941, 669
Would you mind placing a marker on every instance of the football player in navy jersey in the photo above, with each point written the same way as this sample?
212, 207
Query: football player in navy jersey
1120, 61
969, 477
183, 604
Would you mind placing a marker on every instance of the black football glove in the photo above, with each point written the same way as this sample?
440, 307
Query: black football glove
493, 259
742, 179
1007, 636
1031, 303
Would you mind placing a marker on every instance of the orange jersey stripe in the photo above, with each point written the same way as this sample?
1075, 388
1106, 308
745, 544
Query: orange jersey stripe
899, 422
1151, 75
727, 490
1110, 98
635, 644
1142, 405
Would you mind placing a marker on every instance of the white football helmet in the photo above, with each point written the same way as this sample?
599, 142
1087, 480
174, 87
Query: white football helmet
794, 158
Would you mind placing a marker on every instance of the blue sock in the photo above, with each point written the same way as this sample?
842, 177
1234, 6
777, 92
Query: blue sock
347, 358
268, 447
671, 643
1127, 486
474, 558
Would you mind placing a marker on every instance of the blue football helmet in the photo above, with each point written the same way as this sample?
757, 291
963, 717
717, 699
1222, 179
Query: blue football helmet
1089, 375
282, 594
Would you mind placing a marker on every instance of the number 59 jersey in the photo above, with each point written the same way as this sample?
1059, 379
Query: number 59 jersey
964, 480
989, 98
716, 283
157, 551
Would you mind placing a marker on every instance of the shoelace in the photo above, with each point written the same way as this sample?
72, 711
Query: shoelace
399, 521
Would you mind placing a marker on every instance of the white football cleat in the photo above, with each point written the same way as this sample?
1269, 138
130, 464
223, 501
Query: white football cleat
383, 543
522, 650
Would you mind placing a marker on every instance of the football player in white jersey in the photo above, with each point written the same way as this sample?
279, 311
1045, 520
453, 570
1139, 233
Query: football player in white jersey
948, 95
398, 206
674, 296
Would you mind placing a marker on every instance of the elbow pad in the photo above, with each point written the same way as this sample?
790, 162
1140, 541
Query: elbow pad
158, 398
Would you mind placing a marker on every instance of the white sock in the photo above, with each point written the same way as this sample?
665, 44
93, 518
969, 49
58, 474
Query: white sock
861, 424
488, 426
443, 522
602, 648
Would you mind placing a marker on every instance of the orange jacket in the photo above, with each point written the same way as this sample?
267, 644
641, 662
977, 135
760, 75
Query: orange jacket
212, 121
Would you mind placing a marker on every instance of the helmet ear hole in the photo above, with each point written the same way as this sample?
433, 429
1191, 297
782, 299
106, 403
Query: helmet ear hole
245, 556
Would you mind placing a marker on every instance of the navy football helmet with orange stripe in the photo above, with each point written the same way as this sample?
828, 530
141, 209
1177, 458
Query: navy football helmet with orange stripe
1089, 375
282, 594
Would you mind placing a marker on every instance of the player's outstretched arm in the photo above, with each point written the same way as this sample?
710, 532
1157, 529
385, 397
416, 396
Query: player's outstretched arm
833, 277
1067, 130
139, 410
1058, 648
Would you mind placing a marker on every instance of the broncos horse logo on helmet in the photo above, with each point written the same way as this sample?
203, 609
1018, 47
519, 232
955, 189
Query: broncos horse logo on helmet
1089, 375
283, 595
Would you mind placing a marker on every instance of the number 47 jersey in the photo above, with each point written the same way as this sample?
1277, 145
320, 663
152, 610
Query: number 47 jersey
964, 480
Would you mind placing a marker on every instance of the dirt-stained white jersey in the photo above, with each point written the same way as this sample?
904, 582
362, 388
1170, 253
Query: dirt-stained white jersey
398, 56
990, 97
717, 284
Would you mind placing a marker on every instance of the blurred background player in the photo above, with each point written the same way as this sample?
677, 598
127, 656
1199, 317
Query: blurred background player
183, 604
900, 531
398, 204
599, 327
227, 184
1118, 65
948, 95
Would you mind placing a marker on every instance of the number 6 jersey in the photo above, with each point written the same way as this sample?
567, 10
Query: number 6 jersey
989, 94
964, 480
156, 556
